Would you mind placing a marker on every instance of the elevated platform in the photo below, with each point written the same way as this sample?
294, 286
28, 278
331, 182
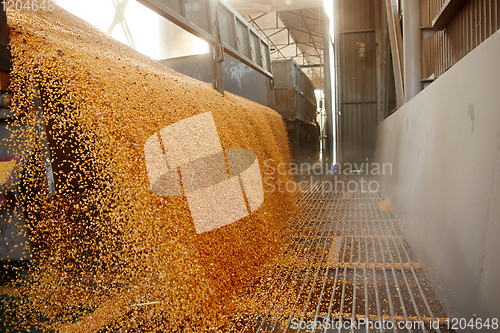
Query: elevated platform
347, 263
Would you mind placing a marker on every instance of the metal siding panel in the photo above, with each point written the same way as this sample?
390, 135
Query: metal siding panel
226, 23
289, 77
425, 14
358, 81
239, 78
490, 17
473, 24
359, 124
358, 15
201, 16
282, 75
242, 39
284, 104
497, 12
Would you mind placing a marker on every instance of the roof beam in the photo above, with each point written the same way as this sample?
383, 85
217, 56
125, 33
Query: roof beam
310, 35
297, 41
267, 38
311, 66
245, 7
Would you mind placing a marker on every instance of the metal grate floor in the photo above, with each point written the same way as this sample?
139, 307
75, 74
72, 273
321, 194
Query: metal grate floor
347, 268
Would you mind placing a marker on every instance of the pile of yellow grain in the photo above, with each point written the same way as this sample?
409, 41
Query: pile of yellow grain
105, 243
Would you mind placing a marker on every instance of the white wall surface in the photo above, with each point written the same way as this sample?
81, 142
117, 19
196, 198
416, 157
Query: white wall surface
445, 149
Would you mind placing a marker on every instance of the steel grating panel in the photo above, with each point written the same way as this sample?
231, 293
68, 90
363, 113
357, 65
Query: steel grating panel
347, 261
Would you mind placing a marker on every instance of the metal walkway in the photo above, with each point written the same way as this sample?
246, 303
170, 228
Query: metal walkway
347, 268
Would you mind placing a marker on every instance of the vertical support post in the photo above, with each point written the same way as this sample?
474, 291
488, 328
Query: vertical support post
412, 48
4, 28
216, 50
15, 246
382, 40
336, 80
44, 141
396, 41
4, 51
327, 90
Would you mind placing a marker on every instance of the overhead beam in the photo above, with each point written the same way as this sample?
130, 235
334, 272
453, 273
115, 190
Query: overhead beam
245, 7
297, 41
119, 18
266, 36
305, 38
429, 31
298, 28
310, 35
311, 66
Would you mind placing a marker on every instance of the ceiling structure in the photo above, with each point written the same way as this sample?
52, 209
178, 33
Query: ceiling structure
293, 29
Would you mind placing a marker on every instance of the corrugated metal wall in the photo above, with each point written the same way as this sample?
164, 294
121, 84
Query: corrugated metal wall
358, 80
433, 7
476, 21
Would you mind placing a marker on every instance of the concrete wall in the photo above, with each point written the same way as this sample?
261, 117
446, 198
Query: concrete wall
445, 149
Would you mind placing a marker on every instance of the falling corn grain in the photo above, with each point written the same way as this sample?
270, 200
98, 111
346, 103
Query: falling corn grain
105, 242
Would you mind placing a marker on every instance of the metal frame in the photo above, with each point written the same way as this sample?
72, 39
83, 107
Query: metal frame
312, 43
213, 37
120, 19
181, 20
236, 52
311, 61
292, 87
